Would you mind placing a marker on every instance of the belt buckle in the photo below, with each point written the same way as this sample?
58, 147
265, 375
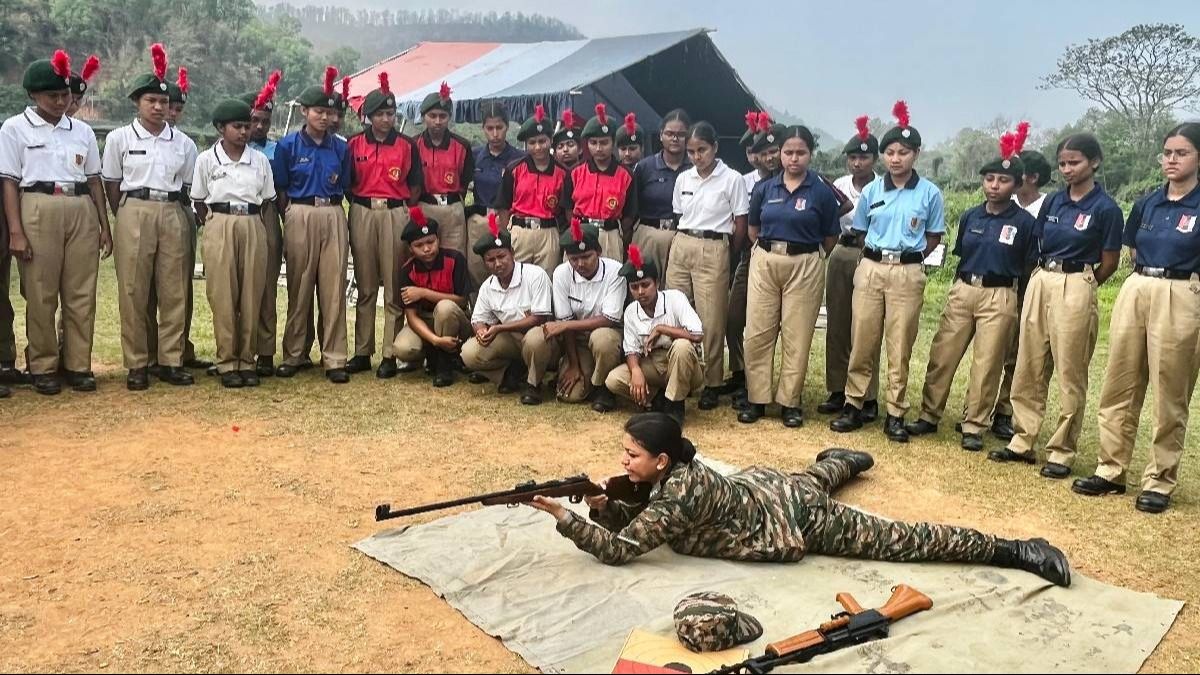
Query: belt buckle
158, 195
779, 247
239, 209
442, 200
976, 280
1053, 265
378, 203
1156, 272
321, 201
65, 189
666, 223
890, 257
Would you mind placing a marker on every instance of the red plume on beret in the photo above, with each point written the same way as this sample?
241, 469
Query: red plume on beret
539, 113
602, 113
568, 119
631, 123
635, 256
576, 229
1022, 136
267, 94
417, 216
330, 76
158, 55
61, 63
752, 121
384, 85
182, 81
863, 130
1008, 141
900, 112
764, 121
346, 87
89, 68
444, 92
494, 225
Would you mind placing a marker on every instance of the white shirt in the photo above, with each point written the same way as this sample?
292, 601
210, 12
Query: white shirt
1034, 208
710, 204
218, 179
34, 151
528, 293
672, 309
139, 159
846, 185
578, 298
751, 178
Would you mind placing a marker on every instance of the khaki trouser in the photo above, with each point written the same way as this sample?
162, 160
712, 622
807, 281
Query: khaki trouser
477, 226
64, 235
784, 302
536, 247
599, 354
377, 247
8, 339
655, 244
839, 317
1152, 341
1004, 400
735, 321
700, 269
446, 319
235, 269
532, 348
189, 349
987, 316
612, 245
314, 238
1058, 332
887, 308
678, 370
268, 313
150, 243
452, 226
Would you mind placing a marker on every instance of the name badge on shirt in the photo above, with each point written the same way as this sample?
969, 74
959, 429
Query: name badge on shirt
1051, 219
39, 146
801, 203
775, 201
1082, 221
1008, 234
686, 193
1186, 224
137, 152
303, 160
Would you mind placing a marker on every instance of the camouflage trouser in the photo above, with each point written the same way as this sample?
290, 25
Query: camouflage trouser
833, 528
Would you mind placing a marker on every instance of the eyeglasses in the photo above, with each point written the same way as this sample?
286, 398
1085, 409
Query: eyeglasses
1177, 154
675, 135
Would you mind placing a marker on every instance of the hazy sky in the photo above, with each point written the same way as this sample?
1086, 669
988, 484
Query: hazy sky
957, 63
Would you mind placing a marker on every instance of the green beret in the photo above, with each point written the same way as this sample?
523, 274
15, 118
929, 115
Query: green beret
1012, 166
579, 239
765, 139
747, 139
857, 146
40, 76
230, 110
625, 137
419, 225
491, 241
315, 97
438, 100
533, 127
175, 94
597, 128
78, 86
377, 100
906, 136
566, 134
147, 83
1035, 162
636, 268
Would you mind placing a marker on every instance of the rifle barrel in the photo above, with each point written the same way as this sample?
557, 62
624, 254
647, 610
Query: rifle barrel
385, 512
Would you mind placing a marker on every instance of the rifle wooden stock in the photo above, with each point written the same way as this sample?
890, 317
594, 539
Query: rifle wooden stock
905, 601
809, 638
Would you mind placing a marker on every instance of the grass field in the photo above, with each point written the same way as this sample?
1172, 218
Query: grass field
205, 529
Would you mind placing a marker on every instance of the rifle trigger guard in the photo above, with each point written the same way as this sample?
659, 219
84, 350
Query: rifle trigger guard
575, 499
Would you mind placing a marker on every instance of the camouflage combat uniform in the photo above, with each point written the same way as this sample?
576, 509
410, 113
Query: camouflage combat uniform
764, 515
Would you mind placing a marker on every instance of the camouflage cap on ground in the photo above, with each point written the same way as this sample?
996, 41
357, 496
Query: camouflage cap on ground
710, 622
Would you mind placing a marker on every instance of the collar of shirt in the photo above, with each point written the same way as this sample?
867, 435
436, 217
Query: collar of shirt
660, 163
439, 146
326, 142
660, 307
598, 278
507, 156
392, 137
1085, 202
613, 166
167, 134
494, 281
1008, 212
532, 165
777, 181
36, 120
888, 185
223, 158
1190, 200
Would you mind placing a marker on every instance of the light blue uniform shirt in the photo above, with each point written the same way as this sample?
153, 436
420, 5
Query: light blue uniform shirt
897, 219
267, 148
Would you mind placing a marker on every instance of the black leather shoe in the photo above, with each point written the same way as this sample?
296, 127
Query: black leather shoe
176, 376
1055, 470
709, 398
531, 395
47, 385
5, 392
793, 418
1035, 556
972, 442
249, 378
833, 404
849, 420
736, 381
870, 411
232, 380
10, 375
197, 364
893, 428
138, 380
476, 377
659, 402
739, 400
286, 370
265, 366
675, 409
387, 369
1002, 427
603, 400
337, 375
920, 428
82, 382
859, 460
306, 364
753, 413
358, 364
1005, 456
154, 370
1152, 502
514, 376
1095, 486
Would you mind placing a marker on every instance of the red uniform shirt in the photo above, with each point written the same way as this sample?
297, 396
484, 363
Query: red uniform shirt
446, 274
527, 191
602, 195
447, 167
390, 169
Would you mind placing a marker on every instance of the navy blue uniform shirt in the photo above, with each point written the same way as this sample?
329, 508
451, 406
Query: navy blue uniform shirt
1164, 232
805, 216
655, 184
305, 169
994, 244
1079, 231
488, 170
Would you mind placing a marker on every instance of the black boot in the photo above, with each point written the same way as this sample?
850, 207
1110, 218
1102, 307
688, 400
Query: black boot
737, 380
709, 398
47, 384
338, 375
893, 428
443, 369
5, 392
249, 378
1008, 455
833, 404
972, 442
84, 381
514, 375
850, 420
1035, 556
1002, 427
870, 411
138, 380
675, 409
232, 380
603, 400
265, 366
1095, 486
358, 364
287, 370
175, 375
1055, 470
859, 460
920, 428
1152, 502
387, 369
753, 413
531, 395
793, 418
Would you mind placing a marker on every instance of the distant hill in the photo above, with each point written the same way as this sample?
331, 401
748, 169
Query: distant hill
379, 33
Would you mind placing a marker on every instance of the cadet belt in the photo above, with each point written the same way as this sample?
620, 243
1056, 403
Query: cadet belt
893, 257
987, 280
378, 202
1060, 265
155, 195
606, 225
658, 223
333, 200
535, 223
1163, 272
48, 188
235, 209
442, 200
786, 247
704, 234
850, 240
